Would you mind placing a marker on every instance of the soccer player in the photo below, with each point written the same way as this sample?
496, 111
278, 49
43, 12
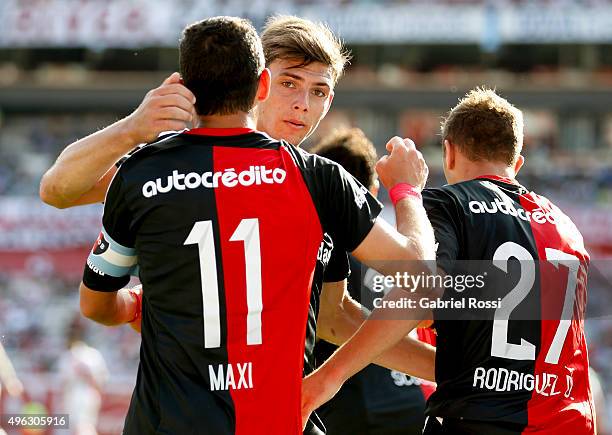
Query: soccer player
508, 372
225, 224
376, 401
305, 60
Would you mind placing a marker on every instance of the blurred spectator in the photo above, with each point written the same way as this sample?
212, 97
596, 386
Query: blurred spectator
83, 373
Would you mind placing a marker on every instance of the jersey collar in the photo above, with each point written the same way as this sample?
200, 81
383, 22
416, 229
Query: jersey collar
498, 178
219, 131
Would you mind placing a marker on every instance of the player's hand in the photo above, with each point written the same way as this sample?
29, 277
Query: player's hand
137, 293
315, 392
403, 164
169, 107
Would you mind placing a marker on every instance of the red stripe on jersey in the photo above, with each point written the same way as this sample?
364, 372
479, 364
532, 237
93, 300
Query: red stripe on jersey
566, 406
427, 335
289, 235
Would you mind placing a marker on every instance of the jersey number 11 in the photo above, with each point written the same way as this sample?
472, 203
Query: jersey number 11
248, 232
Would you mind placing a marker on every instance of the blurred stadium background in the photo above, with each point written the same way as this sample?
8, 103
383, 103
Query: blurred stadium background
70, 67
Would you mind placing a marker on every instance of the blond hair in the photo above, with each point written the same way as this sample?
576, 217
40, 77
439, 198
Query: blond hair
485, 126
290, 37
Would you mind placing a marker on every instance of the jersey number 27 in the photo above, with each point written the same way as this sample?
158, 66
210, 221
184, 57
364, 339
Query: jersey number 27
500, 347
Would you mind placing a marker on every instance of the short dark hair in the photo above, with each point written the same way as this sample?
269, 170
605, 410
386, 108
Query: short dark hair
351, 149
221, 60
485, 126
292, 38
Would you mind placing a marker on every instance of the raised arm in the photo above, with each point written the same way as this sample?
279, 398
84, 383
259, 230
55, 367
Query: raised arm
84, 169
389, 252
384, 247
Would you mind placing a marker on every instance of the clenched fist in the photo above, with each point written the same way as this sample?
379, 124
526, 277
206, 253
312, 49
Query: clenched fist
403, 164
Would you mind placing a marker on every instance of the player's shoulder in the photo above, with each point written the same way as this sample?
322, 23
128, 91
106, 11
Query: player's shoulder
439, 193
570, 230
460, 190
454, 199
306, 160
163, 142
475, 189
449, 195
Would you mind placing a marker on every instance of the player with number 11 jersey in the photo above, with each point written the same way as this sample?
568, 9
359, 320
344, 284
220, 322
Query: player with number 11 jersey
225, 225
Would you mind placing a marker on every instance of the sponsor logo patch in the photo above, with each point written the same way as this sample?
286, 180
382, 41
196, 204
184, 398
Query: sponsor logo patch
538, 215
255, 175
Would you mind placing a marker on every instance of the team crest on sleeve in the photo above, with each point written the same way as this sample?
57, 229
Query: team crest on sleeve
109, 257
100, 245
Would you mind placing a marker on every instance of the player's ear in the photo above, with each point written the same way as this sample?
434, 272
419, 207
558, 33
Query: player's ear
263, 90
520, 161
449, 154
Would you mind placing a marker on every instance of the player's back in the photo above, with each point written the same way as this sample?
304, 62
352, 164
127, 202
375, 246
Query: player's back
225, 225
515, 363
227, 240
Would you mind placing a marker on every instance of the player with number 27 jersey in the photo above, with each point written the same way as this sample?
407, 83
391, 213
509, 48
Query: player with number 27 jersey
521, 375
225, 225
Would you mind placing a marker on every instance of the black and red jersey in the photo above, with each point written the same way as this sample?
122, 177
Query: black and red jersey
332, 266
525, 364
227, 227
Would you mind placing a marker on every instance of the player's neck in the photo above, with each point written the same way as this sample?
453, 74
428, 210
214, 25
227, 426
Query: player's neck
475, 170
235, 120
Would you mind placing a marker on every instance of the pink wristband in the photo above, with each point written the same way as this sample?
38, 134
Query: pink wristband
136, 293
403, 190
